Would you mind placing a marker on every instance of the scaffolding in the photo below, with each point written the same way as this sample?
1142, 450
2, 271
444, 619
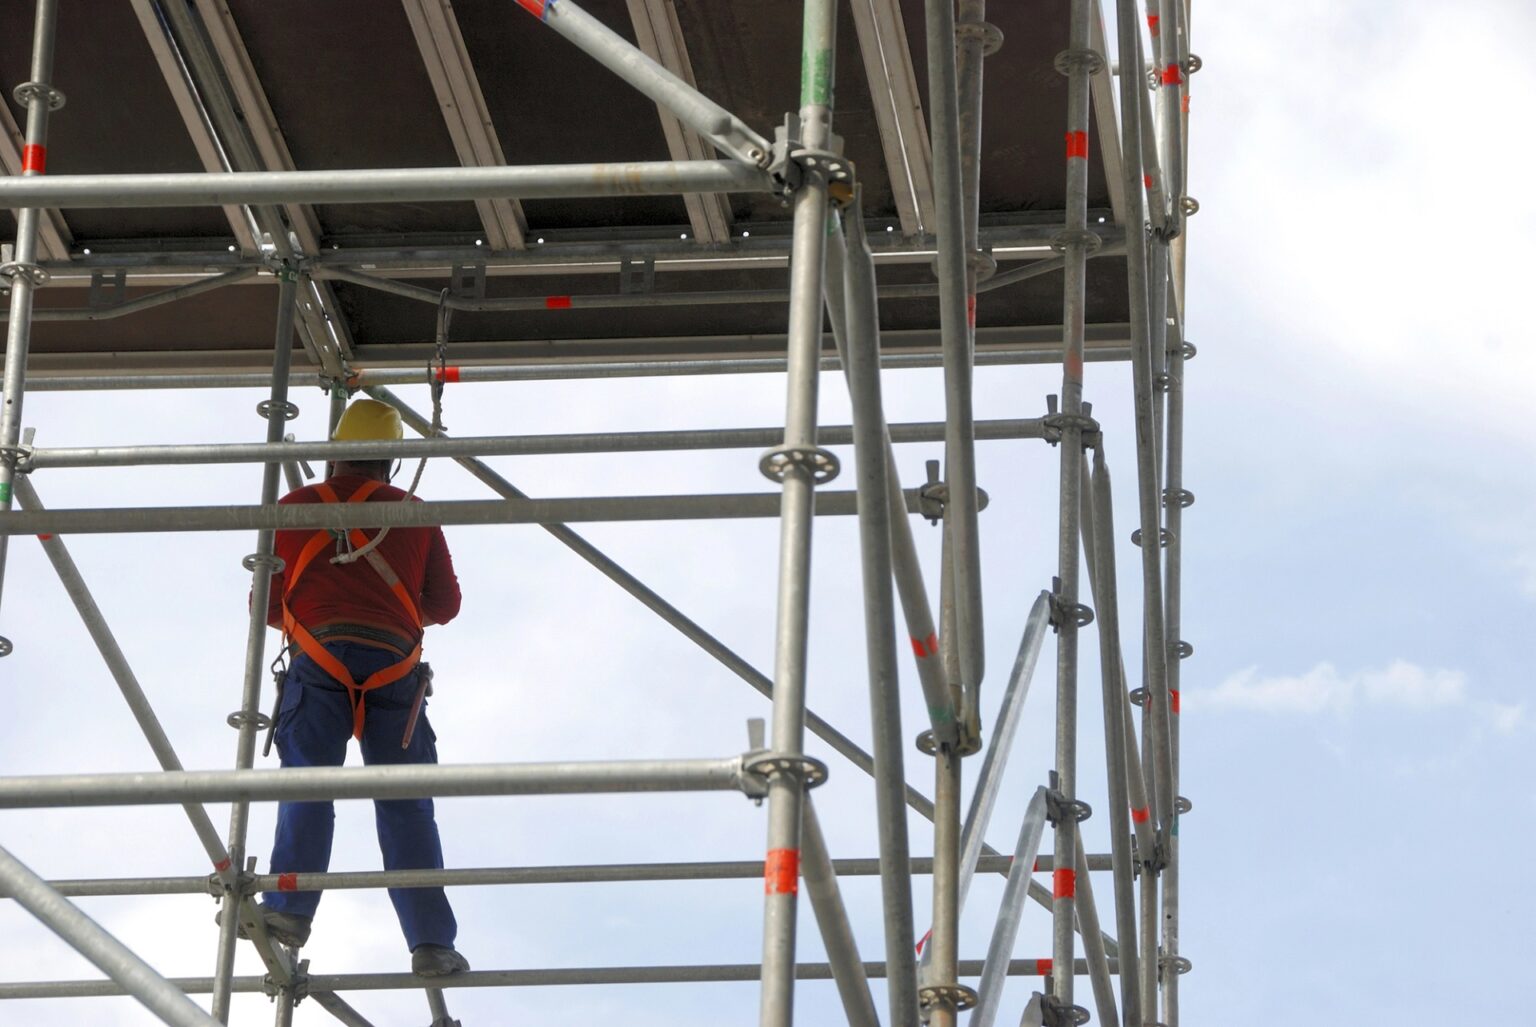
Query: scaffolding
907, 207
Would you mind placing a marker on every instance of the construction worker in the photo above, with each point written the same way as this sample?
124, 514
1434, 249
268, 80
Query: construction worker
353, 607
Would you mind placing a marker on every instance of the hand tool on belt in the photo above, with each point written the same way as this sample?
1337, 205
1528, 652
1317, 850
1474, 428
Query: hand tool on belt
423, 689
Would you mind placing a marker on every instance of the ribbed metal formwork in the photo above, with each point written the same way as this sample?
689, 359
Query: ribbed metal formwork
578, 280
349, 92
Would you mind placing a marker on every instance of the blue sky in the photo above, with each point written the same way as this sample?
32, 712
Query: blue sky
1360, 580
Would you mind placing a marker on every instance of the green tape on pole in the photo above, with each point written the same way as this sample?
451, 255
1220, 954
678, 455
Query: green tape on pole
5, 492
816, 78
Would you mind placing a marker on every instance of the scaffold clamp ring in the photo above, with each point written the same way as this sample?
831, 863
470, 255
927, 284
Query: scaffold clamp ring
254, 560
36, 274
990, 35
1138, 696
5, 646
1056, 1013
1064, 613
1058, 807
1183, 650
1086, 238
957, 996
27, 91
1181, 498
764, 765
776, 463
1164, 537
241, 718
1183, 805
270, 408
1069, 61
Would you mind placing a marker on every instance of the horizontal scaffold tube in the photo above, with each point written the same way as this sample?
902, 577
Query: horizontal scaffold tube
313, 516
503, 445
402, 185
591, 873
376, 782
515, 978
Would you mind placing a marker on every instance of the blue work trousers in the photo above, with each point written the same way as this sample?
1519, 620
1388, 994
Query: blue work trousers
313, 725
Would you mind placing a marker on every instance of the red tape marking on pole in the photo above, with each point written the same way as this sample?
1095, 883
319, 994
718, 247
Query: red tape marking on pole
970, 309
1043, 967
287, 882
44, 538
1186, 103
929, 648
1063, 883
1173, 699
34, 158
1146, 180
537, 8
924, 940
557, 302
781, 872
1141, 816
1152, 21
1077, 145
447, 374
1171, 76
222, 865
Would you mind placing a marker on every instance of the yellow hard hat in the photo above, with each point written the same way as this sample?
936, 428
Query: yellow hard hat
368, 420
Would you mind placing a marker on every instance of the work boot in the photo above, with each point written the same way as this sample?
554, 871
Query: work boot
437, 961
284, 928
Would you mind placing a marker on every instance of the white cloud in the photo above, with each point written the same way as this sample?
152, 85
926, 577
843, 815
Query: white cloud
1324, 689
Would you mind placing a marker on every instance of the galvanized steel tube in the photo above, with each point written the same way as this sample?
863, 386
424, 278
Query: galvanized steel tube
1149, 495
42, 458
903, 550
154, 299
18, 333
134, 976
1120, 768
381, 781
554, 977
1010, 911
588, 873
959, 445
832, 918
1075, 243
1175, 499
256, 634
877, 530
1093, 942
807, 269
627, 61
362, 185
116, 520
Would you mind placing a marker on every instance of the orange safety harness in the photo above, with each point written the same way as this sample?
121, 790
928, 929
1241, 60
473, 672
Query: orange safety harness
296, 632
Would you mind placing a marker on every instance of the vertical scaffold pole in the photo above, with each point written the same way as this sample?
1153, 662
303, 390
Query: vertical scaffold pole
959, 430
22, 269
277, 411
876, 537
1078, 62
1132, 96
796, 462
1119, 744
1176, 499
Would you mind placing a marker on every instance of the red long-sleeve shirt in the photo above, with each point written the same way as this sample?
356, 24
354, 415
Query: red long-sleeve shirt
353, 593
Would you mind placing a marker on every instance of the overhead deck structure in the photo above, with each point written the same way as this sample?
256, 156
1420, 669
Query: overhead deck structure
351, 179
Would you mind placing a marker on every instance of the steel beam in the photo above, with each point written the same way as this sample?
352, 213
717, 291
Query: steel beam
457, 87
898, 111
660, 38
